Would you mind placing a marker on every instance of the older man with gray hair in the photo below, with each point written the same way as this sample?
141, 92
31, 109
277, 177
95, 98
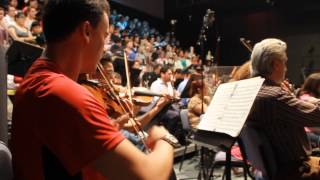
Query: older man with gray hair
280, 116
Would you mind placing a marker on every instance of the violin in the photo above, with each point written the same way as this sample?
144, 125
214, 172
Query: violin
103, 95
106, 94
143, 96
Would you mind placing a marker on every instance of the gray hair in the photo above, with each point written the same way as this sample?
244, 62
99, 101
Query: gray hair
263, 55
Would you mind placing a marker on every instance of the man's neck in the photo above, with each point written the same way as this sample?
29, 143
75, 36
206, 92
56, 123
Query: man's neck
165, 82
274, 79
66, 60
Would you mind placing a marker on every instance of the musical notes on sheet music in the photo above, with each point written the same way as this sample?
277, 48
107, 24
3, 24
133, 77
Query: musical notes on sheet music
230, 106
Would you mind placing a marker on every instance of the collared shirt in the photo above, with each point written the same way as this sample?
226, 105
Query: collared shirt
282, 117
159, 86
182, 88
162, 87
182, 85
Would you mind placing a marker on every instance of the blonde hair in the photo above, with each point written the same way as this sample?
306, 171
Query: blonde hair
243, 72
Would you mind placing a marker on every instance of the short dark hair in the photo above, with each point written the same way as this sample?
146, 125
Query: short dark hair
178, 71
185, 71
165, 69
61, 17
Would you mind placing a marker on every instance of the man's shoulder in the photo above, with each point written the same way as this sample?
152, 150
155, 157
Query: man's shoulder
276, 94
47, 78
42, 83
270, 90
157, 82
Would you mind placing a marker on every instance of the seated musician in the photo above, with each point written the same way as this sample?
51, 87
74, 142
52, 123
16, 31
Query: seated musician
170, 117
281, 116
113, 108
60, 131
184, 87
309, 91
199, 101
142, 119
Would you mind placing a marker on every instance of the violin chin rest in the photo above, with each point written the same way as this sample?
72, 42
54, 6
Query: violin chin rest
141, 101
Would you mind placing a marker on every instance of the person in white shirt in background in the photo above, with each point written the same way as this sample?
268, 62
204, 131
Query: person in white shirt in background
171, 115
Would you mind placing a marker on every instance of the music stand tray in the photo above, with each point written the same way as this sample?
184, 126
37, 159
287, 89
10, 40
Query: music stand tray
20, 57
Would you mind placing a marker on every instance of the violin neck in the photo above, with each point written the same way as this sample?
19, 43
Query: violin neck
146, 93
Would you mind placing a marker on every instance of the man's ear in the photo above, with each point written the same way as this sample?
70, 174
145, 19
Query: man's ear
86, 31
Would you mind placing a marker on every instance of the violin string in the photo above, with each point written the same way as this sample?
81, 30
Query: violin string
100, 68
136, 125
110, 87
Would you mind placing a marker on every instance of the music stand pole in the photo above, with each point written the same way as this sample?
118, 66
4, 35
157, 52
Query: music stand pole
3, 97
202, 74
208, 20
201, 40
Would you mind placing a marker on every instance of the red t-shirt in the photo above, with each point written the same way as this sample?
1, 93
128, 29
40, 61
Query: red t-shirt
54, 111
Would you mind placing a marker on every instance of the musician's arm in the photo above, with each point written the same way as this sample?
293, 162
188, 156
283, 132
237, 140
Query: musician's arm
302, 113
145, 118
196, 107
156, 165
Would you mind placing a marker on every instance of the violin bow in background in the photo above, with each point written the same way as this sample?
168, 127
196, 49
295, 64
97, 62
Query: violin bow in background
135, 124
124, 106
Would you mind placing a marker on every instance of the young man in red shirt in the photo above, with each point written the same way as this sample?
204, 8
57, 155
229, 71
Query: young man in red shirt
60, 131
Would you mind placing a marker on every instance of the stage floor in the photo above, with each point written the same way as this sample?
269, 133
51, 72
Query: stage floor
190, 169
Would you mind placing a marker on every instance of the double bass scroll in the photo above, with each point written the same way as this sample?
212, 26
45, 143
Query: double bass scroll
246, 43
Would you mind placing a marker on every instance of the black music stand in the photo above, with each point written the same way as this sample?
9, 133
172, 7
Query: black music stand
220, 141
134, 78
20, 57
221, 125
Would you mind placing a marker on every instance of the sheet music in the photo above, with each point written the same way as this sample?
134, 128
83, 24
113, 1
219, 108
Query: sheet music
230, 106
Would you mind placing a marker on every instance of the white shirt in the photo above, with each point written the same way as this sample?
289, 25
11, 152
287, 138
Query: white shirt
158, 86
8, 21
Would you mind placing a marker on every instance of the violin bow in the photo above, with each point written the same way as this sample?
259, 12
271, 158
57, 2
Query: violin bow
137, 128
111, 88
132, 119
